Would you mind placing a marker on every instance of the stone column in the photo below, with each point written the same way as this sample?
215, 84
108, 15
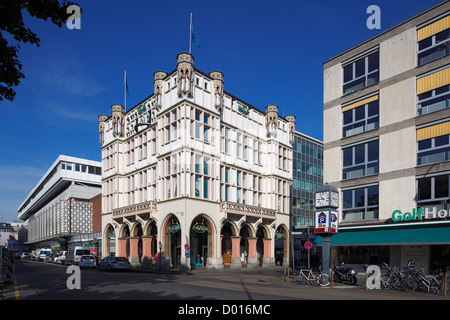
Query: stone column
235, 253
134, 255
252, 261
121, 247
268, 258
147, 254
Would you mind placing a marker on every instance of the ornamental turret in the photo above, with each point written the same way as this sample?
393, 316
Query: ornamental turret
101, 127
271, 120
217, 77
158, 83
118, 119
185, 75
291, 120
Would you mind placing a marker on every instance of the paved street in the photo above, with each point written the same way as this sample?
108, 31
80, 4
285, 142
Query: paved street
43, 281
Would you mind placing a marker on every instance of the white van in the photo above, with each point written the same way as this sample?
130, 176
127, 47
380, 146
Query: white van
43, 253
74, 254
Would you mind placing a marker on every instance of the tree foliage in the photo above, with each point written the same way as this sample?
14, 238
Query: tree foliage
11, 21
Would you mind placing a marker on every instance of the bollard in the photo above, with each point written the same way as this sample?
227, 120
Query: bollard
331, 275
445, 284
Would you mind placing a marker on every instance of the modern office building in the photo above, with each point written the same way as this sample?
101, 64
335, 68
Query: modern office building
195, 175
59, 206
307, 177
386, 143
307, 166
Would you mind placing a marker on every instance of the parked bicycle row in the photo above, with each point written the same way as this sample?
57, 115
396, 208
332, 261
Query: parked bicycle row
341, 274
412, 279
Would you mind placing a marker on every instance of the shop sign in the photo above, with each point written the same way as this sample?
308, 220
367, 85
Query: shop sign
174, 228
243, 109
200, 228
420, 214
279, 235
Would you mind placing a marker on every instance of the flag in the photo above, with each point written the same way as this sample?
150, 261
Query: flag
194, 36
126, 84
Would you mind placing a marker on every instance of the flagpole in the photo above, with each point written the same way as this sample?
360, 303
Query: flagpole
125, 89
190, 34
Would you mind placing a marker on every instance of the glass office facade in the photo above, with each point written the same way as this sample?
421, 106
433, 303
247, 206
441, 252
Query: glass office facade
307, 177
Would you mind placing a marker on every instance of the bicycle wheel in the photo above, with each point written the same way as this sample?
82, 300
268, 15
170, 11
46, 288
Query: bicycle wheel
386, 281
436, 285
411, 282
323, 279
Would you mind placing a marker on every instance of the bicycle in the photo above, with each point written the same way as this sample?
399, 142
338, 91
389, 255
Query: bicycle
431, 283
392, 279
307, 276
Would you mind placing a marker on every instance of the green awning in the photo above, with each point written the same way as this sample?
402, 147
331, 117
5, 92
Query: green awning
391, 235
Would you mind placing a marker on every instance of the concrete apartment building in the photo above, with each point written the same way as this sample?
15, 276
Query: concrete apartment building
195, 175
386, 143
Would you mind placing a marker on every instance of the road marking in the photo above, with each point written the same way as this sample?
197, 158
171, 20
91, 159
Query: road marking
16, 290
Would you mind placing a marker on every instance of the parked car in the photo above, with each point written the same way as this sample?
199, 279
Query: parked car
25, 255
43, 253
46, 258
61, 257
75, 253
87, 261
114, 263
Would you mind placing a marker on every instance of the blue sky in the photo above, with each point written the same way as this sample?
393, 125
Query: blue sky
271, 52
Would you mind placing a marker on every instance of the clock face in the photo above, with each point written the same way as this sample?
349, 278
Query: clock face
335, 199
322, 199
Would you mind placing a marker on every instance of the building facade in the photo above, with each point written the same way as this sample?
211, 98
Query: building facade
59, 205
195, 175
307, 177
386, 143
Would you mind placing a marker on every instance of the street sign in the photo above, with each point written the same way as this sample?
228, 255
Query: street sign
186, 246
186, 253
308, 245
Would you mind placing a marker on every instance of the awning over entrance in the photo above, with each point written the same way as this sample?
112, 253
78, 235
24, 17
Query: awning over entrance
423, 233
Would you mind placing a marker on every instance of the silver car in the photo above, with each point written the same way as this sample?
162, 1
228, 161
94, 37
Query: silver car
87, 262
114, 263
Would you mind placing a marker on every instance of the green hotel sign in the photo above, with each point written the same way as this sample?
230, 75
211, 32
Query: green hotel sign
420, 214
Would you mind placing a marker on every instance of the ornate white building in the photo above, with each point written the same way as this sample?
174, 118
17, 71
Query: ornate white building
192, 166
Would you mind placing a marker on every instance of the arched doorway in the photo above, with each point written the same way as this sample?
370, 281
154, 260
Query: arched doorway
245, 233
109, 241
281, 245
201, 241
151, 234
172, 241
228, 230
261, 234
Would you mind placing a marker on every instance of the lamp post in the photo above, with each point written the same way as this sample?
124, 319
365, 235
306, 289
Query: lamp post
326, 219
